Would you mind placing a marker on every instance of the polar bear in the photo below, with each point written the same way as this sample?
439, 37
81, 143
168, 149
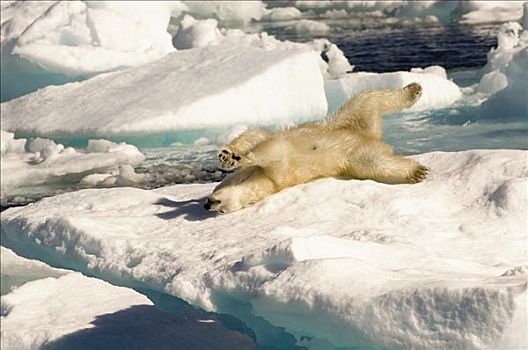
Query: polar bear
346, 144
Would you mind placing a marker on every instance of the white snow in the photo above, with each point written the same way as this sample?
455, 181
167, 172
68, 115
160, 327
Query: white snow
203, 87
46, 162
507, 74
78, 38
438, 91
436, 265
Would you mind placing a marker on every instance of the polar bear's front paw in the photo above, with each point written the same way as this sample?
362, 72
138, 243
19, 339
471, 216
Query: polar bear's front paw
228, 158
418, 174
413, 92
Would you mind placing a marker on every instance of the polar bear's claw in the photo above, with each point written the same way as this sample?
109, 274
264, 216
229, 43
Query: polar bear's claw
419, 174
228, 159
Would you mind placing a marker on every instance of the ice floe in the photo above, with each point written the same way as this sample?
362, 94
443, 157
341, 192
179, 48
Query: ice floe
434, 265
37, 161
446, 12
203, 87
49, 308
227, 11
310, 26
507, 74
79, 38
438, 91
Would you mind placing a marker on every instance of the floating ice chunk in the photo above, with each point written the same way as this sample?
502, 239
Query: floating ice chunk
231, 134
337, 65
335, 14
355, 263
18, 15
202, 141
41, 304
436, 70
227, 11
525, 16
512, 101
489, 11
227, 88
507, 74
438, 92
446, 12
492, 82
362, 6
15, 271
9, 144
199, 33
195, 33
94, 180
46, 162
78, 38
128, 177
310, 26
45, 307
282, 14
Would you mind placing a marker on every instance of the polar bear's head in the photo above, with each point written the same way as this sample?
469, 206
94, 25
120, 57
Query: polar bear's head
239, 190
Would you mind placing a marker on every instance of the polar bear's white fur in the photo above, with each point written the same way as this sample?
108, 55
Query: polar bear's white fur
346, 144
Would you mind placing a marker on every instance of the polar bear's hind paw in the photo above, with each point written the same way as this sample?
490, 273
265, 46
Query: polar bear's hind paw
418, 174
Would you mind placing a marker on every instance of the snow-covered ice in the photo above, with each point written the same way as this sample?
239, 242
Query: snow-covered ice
26, 163
203, 87
436, 265
45, 307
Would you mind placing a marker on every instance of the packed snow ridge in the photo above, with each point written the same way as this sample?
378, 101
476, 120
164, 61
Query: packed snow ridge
435, 265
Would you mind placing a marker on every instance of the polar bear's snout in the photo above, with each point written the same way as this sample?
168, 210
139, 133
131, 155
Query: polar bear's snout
211, 203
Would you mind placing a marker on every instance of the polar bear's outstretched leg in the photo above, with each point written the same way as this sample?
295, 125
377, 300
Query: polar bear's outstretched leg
365, 111
385, 167
230, 155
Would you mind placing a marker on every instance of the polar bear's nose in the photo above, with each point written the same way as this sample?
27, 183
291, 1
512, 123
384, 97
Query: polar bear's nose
209, 203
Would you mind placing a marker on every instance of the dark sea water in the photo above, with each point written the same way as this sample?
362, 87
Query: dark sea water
402, 48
